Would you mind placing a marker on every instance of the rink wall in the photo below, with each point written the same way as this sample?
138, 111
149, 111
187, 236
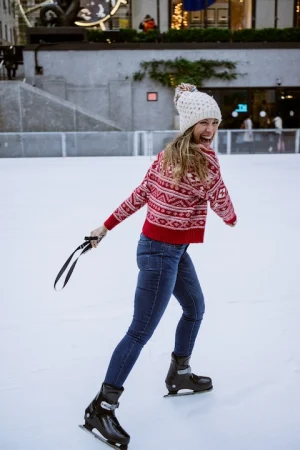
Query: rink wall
24, 145
135, 143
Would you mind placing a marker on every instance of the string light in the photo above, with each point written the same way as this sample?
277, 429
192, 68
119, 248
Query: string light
179, 17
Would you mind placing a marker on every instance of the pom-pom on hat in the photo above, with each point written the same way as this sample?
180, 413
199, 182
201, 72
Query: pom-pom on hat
194, 106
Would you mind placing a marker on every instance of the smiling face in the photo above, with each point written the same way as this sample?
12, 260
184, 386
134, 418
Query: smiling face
205, 130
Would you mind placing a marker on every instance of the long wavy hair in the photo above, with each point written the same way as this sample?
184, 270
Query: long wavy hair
183, 155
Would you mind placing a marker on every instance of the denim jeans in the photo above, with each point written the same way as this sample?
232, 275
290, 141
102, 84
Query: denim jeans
165, 269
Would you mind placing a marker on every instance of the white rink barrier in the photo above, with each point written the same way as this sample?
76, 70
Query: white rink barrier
234, 141
140, 143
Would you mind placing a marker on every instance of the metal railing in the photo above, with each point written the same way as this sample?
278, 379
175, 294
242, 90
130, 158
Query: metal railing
139, 143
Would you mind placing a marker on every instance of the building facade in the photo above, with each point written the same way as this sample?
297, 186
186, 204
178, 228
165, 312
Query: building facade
233, 14
101, 79
7, 23
171, 14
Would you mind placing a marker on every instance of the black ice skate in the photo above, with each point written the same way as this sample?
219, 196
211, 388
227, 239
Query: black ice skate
180, 377
100, 414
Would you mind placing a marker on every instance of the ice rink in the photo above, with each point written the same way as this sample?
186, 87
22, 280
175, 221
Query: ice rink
55, 346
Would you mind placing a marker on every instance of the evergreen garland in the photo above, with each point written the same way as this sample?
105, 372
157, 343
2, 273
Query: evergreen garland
170, 73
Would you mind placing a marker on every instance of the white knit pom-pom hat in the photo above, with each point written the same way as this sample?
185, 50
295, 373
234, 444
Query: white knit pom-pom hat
194, 106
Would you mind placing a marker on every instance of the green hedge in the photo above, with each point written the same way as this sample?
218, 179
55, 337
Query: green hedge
267, 35
198, 35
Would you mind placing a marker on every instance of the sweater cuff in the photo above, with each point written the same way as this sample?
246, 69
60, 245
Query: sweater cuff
231, 221
111, 222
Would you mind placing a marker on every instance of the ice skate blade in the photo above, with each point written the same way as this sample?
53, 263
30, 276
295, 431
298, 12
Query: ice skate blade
119, 447
181, 394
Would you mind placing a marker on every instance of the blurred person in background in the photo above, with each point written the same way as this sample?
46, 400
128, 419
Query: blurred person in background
148, 23
278, 125
11, 62
247, 125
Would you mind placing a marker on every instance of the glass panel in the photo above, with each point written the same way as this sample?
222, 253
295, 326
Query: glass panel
262, 141
289, 107
263, 101
241, 14
216, 15
222, 17
234, 104
262, 104
211, 17
121, 19
196, 19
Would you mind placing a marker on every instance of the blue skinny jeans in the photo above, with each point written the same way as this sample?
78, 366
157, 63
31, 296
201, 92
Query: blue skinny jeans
165, 269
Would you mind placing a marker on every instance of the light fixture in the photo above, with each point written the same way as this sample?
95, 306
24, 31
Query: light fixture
234, 114
242, 107
263, 114
292, 113
152, 96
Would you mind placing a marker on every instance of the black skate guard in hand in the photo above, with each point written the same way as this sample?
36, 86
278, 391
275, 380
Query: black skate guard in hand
85, 247
93, 238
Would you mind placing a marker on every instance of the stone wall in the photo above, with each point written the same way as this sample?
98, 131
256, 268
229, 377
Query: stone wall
26, 108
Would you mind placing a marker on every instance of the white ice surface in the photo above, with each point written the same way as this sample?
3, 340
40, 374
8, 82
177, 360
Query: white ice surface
55, 346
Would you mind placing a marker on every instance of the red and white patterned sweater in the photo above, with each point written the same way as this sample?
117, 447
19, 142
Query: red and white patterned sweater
177, 213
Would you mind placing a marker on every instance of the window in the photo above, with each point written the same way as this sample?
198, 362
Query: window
5, 33
241, 14
263, 100
4, 4
0, 29
215, 15
121, 19
179, 17
297, 14
235, 106
288, 105
261, 103
234, 14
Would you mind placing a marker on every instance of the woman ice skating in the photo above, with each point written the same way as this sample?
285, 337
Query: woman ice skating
183, 179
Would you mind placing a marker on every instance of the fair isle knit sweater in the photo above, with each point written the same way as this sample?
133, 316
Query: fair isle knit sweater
176, 213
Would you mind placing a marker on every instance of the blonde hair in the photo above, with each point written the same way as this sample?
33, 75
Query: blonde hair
183, 155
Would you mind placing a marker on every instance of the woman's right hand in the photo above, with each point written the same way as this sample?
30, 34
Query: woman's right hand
99, 233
